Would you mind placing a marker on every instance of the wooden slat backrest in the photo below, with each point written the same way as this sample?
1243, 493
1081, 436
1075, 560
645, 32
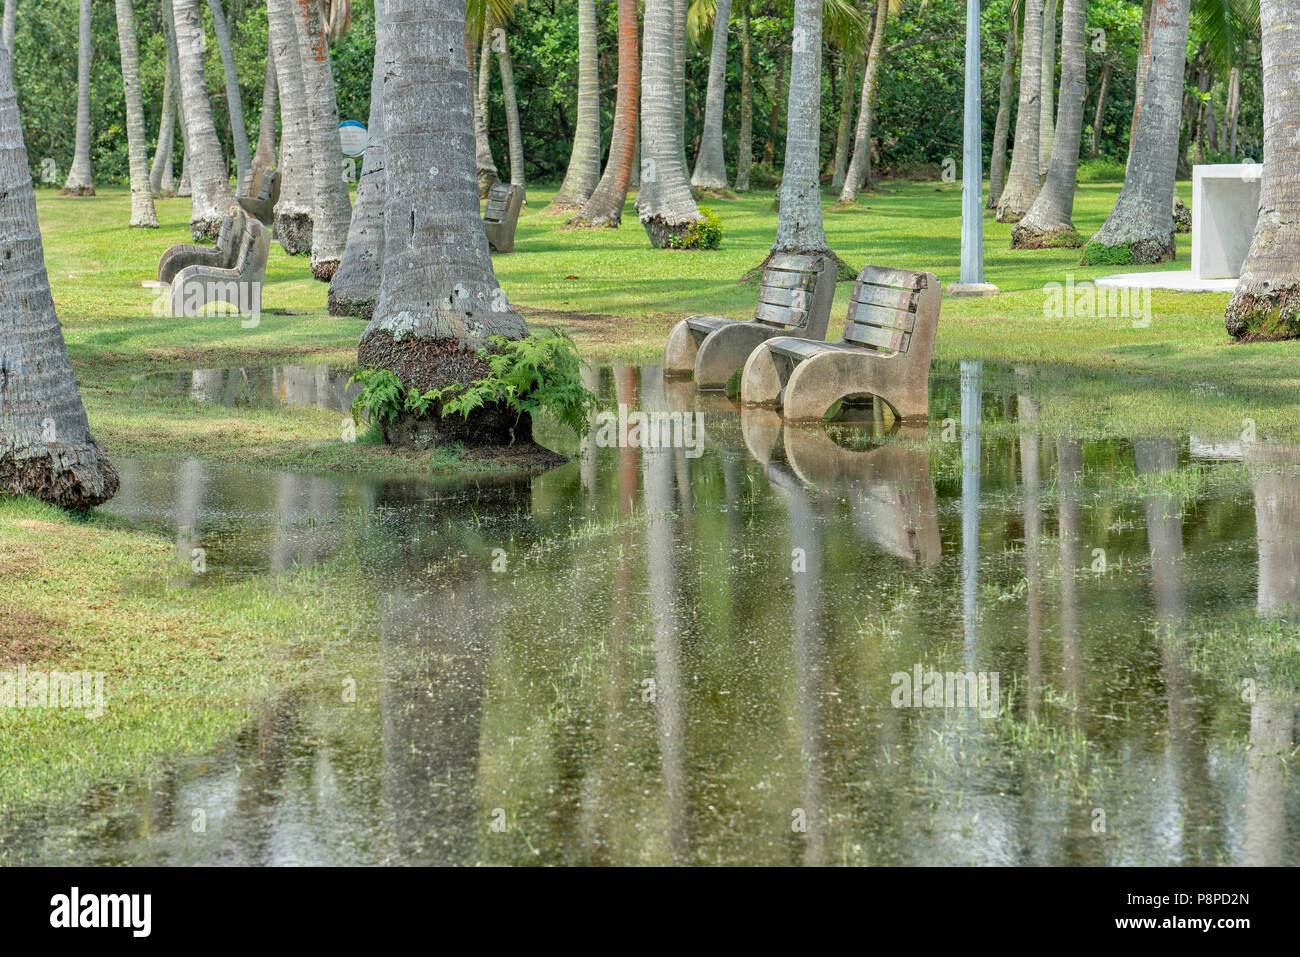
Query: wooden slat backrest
786, 292
498, 202
882, 310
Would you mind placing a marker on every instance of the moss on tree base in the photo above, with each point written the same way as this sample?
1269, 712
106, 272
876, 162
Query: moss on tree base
1254, 316
344, 305
1030, 237
324, 269
293, 232
77, 191
205, 229
75, 478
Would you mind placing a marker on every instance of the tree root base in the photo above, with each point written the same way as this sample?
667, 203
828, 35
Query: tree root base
324, 269
73, 478
345, 305
77, 191
1262, 315
843, 271
1126, 254
1030, 237
293, 232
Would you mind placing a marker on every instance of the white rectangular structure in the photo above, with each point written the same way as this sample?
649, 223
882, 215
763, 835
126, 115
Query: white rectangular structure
1225, 205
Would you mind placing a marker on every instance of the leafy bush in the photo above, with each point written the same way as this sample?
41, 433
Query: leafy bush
1099, 254
703, 235
1101, 171
541, 371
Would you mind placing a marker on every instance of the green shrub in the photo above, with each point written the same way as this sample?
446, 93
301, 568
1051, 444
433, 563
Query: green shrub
541, 371
1101, 171
1099, 254
702, 235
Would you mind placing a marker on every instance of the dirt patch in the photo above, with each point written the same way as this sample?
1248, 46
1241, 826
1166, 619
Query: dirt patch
28, 637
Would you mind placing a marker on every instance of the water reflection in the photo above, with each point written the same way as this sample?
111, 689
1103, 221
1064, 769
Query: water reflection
312, 385
687, 660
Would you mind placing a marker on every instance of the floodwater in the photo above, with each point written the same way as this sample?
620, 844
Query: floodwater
700, 654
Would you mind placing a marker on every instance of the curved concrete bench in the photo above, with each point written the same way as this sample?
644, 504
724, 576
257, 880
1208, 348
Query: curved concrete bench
195, 287
262, 195
794, 299
221, 256
885, 352
501, 216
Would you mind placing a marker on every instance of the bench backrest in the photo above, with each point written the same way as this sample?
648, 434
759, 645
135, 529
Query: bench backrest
885, 307
796, 293
253, 252
499, 202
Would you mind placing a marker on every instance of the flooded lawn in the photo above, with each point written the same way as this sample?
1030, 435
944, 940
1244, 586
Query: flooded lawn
972, 644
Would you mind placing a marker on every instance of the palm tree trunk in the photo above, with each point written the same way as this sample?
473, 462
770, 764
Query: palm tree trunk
1233, 105
142, 211
1022, 181
355, 286
514, 134
183, 184
438, 296
162, 153
680, 15
331, 211
487, 167
1049, 221
664, 202
80, 181
1140, 79
584, 162
46, 448
293, 211
10, 22
998, 158
1048, 81
840, 165
209, 181
1142, 220
860, 165
605, 206
1266, 303
1100, 115
264, 154
745, 140
234, 99
711, 164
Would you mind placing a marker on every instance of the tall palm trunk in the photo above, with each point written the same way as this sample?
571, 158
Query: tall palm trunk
80, 181
331, 211
710, 164
438, 295
1049, 221
774, 115
1141, 224
212, 196
183, 184
293, 211
584, 162
1047, 79
605, 206
1233, 105
664, 201
998, 158
745, 140
166, 134
10, 22
1267, 299
234, 99
264, 154
799, 223
514, 133
46, 448
487, 167
840, 165
355, 286
860, 165
1140, 78
1100, 115
142, 211
1022, 181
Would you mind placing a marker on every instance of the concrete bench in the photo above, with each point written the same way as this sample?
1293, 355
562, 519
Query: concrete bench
885, 352
502, 214
794, 300
220, 256
262, 194
196, 287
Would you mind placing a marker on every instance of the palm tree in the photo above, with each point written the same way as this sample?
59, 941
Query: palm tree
998, 157
438, 296
142, 211
80, 181
583, 173
1141, 225
710, 163
10, 21
840, 163
209, 181
745, 139
664, 201
605, 205
293, 211
355, 285
860, 165
1022, 181
1048, 221
46, 448
331, 208
1266, 302
160, 173
487, 167
234, 99
1047, 79
264, 154
514, 133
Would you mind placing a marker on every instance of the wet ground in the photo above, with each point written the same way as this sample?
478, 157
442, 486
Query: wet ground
705, 653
